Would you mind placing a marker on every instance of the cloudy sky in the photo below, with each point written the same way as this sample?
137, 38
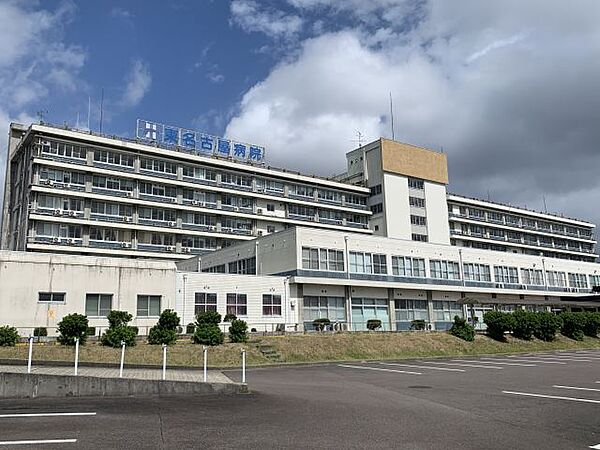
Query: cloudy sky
508, 89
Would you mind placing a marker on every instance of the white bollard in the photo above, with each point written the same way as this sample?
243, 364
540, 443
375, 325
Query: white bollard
30, 353
243, 366
205, 352
122, 359
164, 370
76, 354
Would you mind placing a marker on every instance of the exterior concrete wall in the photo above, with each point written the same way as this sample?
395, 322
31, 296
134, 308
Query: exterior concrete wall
397, 208
24, 275
436, 206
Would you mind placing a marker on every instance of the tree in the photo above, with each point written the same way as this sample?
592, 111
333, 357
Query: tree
165, 331
71, 327
461, 329
207, 330
238, 331
118, 330
9, 336
498, 323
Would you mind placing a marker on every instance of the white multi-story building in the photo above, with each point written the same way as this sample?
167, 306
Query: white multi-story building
79, 193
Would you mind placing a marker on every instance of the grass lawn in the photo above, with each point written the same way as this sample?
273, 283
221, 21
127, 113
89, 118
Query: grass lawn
300, 348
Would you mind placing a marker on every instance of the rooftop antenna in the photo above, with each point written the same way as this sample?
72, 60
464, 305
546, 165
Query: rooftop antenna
101, 109
41, 113
545, 206
360, 137
488, 192
77, 125
89, 111
392, 117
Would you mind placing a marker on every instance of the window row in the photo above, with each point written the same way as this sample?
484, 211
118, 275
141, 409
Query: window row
236, 303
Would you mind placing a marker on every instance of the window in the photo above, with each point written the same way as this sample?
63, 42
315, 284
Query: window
414, 183
504, 274
419, 237
204, 301
51, 297
376, 190
158, 190
270, 229
365, 309
355, 200
578, 280
58, 230
108, 157
444, 312
594, 280
271, 305
408, 267
416, 202
477, 272
532, 277
495, 217
302, 191
237, 304
198, 242
63, 149
556, 279
409, 310
329, 196
51, 202
148, 305
269, 186
199, 173
377, 208
447, 270
77, 178
304, 212
243, 266
367, 263
323, 259
236, 180
98, 305
332, 308
157, 165
104, 234
270, 207
418, 220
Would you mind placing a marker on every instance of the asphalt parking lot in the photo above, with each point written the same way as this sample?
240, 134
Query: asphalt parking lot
544, 400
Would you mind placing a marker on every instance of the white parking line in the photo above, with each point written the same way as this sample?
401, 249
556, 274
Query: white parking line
423, 367
597, 446
540, 361
575, 388
499, 363
42, 441
568, 358
5, 416
554, 397
464, 365
379, 368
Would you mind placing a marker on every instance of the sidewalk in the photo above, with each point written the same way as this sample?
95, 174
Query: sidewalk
195, 375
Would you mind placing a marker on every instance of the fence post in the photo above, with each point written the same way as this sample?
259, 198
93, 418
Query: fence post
76, 354
30, 353
205, 352
164, 368
243, 366
122, 359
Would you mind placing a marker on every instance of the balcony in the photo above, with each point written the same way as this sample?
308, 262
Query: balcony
117, 167
152, 173
158, 223
113, 245
156, 248
158, 198
113, 192
203, 181
199, 227
241, 231
67, 159
55, 240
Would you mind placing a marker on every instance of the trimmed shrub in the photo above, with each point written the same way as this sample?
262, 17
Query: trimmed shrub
592, 324
208, 318
229, 317
525, 324
548, 324
498, 323
40, 332
190, 327
136, 330
417, 324
71, 327
253, 330
118, 330
165, 331
373, 324
9, 336
320, 324
461, 329
238, 331
573, 325
91, 331
208, 335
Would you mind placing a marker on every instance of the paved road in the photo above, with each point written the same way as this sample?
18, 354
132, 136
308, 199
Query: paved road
541, 401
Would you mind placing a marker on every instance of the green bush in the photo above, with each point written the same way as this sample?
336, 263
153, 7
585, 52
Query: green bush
9, 336
208, 335
417, 324
190, 328
229, 317
373, 324
548, 324
498, 323
208, 318
320, 324
40, 332
592, 324
91, 331
461, 329
238, 331
114, 336
165, 331
525, 324
573, 325
71, 327
118, 330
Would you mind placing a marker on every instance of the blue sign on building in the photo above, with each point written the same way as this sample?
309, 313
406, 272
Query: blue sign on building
203, 144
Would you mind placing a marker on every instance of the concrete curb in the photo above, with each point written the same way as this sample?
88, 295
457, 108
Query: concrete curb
22, 385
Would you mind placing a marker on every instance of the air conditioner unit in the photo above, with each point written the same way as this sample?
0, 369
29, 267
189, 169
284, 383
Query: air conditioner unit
173, 200
170, 248
55, 240
71, 241
128, 219
57, 212
186, 250
237, 208
126, 244
172, 224
259, 211
73, 213
50, 182
68, 185
129, 194
500, 285
260, 233
47, 182
195, 202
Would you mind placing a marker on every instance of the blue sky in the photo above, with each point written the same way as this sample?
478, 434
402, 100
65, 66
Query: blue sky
507, 89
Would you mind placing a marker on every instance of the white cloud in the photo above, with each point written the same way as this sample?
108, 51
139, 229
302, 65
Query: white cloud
520, 122
138, 83
120, 13
251, 17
